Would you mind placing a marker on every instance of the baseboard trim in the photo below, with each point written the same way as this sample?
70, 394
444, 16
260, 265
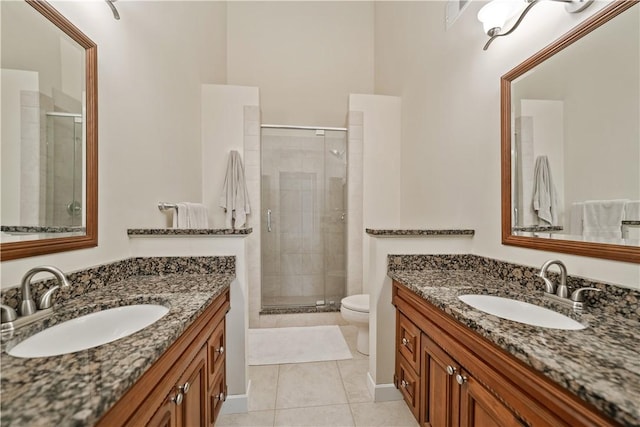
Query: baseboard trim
382, 392
236, 403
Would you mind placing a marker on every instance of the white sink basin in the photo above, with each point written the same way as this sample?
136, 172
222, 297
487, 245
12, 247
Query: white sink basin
522, 312
89, 331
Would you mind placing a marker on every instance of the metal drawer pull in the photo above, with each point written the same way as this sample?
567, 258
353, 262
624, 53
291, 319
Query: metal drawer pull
177, 399
405, 341
184, 388
461, 379
220, 397
220, 350
404, 384
451, 370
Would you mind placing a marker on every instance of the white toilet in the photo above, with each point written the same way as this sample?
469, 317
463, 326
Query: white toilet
355, 310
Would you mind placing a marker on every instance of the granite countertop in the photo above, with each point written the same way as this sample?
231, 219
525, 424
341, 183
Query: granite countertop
599, 364
418, 232
78, 388
189, 231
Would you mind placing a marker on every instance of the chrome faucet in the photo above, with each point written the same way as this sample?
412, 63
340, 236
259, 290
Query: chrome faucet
28, 306
562, 291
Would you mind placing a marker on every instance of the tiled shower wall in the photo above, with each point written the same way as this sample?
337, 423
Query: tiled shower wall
251, 136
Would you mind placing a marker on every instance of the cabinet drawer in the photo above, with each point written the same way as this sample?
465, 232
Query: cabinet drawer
409, 385
216, 351
408, 341
217, 396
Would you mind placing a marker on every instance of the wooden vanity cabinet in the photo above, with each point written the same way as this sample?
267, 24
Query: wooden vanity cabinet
176, 390
465, 380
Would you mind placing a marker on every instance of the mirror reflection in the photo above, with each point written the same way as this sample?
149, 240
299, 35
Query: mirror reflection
43, 128
575, 150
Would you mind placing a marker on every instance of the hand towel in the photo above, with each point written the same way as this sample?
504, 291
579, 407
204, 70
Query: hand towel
196, 215
545, 200
235, 198
180, 217
603, 218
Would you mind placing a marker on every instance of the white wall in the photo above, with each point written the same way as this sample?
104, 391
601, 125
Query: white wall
306, 57
222, 132
231, 121
150, 68
450, 91
381, 173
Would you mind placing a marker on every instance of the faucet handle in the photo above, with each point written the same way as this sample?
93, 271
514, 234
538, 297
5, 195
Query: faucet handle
549, 287
577, 295
8, 314
46, 298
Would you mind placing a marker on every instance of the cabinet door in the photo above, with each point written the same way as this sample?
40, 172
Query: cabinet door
479, 407
216, 351
165, 416
193, 385
408, 341
440, 392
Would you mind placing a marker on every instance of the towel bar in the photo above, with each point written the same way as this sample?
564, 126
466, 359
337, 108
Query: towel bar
164, 206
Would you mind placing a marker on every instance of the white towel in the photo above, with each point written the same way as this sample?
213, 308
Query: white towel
545, 200
235, 198
180, 217
603, 218
632, 210
190, 215
575, 222
197, 215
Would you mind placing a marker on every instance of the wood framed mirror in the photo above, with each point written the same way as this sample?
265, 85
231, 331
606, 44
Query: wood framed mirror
49, 133
580, 127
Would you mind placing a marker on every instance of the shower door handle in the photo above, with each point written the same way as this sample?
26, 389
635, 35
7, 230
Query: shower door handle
269, 220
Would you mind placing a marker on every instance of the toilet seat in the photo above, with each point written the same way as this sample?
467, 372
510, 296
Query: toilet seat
359, 303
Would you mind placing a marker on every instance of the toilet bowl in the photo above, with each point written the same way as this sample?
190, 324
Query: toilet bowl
355, 310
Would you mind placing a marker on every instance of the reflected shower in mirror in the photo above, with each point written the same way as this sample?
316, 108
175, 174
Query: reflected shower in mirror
49, 132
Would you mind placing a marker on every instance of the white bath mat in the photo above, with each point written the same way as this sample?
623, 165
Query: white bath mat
275, 346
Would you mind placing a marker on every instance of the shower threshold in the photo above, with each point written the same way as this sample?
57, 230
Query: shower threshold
323, 308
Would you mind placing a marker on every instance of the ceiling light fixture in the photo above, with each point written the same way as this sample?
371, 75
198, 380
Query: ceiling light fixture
116, 15
495, 14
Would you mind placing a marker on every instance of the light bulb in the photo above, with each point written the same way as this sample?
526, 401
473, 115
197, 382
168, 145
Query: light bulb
497, 12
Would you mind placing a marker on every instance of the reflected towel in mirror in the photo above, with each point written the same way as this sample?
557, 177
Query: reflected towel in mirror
545, 199
603, 218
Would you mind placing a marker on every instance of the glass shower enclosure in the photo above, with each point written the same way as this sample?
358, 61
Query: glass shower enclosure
304, 207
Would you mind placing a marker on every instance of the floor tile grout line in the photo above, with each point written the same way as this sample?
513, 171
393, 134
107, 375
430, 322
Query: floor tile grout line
346, 394
275, 401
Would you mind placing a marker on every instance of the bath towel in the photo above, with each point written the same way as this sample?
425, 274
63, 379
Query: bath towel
603, 218
545, 200
190, 215
235, 198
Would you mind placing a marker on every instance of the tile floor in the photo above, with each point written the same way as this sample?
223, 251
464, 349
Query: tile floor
330, 393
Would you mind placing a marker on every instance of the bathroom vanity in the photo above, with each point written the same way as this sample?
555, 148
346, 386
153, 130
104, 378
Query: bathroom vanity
456, 365
186, 386
169, 373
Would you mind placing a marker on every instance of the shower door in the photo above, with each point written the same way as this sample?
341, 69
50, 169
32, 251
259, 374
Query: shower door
303, 193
